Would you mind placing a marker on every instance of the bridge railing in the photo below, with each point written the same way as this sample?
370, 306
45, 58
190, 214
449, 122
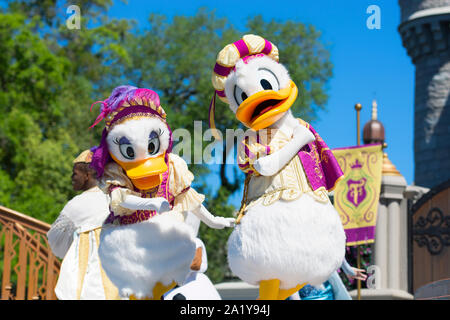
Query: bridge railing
29, 270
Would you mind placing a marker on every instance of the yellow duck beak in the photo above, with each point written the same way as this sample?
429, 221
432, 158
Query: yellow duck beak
144, 174
266, 107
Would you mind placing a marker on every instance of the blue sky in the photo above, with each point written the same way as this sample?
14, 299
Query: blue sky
368, 64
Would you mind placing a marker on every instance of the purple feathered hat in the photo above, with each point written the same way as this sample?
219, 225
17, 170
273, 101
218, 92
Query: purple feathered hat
124, 102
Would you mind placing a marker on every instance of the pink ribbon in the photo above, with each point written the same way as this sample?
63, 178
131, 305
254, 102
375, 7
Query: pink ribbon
103, 112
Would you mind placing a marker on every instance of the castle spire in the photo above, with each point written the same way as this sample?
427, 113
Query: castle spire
373, 132
374, 110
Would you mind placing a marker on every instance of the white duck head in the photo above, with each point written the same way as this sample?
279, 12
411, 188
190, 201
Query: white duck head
136, 136
249, 78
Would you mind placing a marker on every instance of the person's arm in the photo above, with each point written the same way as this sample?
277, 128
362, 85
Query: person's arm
353, 273
269, 165
60, 235
348, 270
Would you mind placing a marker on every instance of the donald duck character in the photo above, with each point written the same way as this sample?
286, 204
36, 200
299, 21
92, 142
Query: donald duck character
287, 233
146, 248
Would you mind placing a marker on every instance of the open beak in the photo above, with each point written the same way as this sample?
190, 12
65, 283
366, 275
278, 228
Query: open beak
145, 174
266, 107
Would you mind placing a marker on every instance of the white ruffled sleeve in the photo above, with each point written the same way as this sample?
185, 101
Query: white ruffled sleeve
186, 198
117, 185
117, 196
60, 235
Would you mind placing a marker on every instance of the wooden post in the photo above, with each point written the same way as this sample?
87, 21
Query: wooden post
358, 265
7, 257
358, 108
22, 274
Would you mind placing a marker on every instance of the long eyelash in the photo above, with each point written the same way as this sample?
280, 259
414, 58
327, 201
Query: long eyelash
116, 140
160, 133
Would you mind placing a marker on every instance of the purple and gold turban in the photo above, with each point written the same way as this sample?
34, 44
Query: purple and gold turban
249, 46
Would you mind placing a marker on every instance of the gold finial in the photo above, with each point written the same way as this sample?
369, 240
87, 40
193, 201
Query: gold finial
358, 108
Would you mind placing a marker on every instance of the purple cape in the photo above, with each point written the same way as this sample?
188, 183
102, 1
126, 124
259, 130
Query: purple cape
319, 163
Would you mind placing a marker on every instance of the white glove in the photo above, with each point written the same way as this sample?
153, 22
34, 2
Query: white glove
269, 165
222, 222
158, 204
213, 221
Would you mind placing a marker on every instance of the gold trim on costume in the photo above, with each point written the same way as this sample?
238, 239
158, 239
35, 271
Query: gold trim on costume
288, 184
111, 291
126, 104
132, 116
83, 256
336, 183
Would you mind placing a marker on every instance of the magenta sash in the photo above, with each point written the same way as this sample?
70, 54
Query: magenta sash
319, 163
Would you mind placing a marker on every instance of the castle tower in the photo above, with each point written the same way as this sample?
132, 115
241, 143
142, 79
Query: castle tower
425, 31
389, 274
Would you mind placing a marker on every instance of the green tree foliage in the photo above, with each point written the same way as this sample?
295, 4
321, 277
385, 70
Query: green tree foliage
31, 80
50, 75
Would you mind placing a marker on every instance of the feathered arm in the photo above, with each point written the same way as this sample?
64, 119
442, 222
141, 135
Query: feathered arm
269, 165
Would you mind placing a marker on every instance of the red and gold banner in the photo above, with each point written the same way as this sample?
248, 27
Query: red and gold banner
356, 195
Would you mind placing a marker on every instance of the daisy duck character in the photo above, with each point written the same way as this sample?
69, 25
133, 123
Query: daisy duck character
287, 233
146, 248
